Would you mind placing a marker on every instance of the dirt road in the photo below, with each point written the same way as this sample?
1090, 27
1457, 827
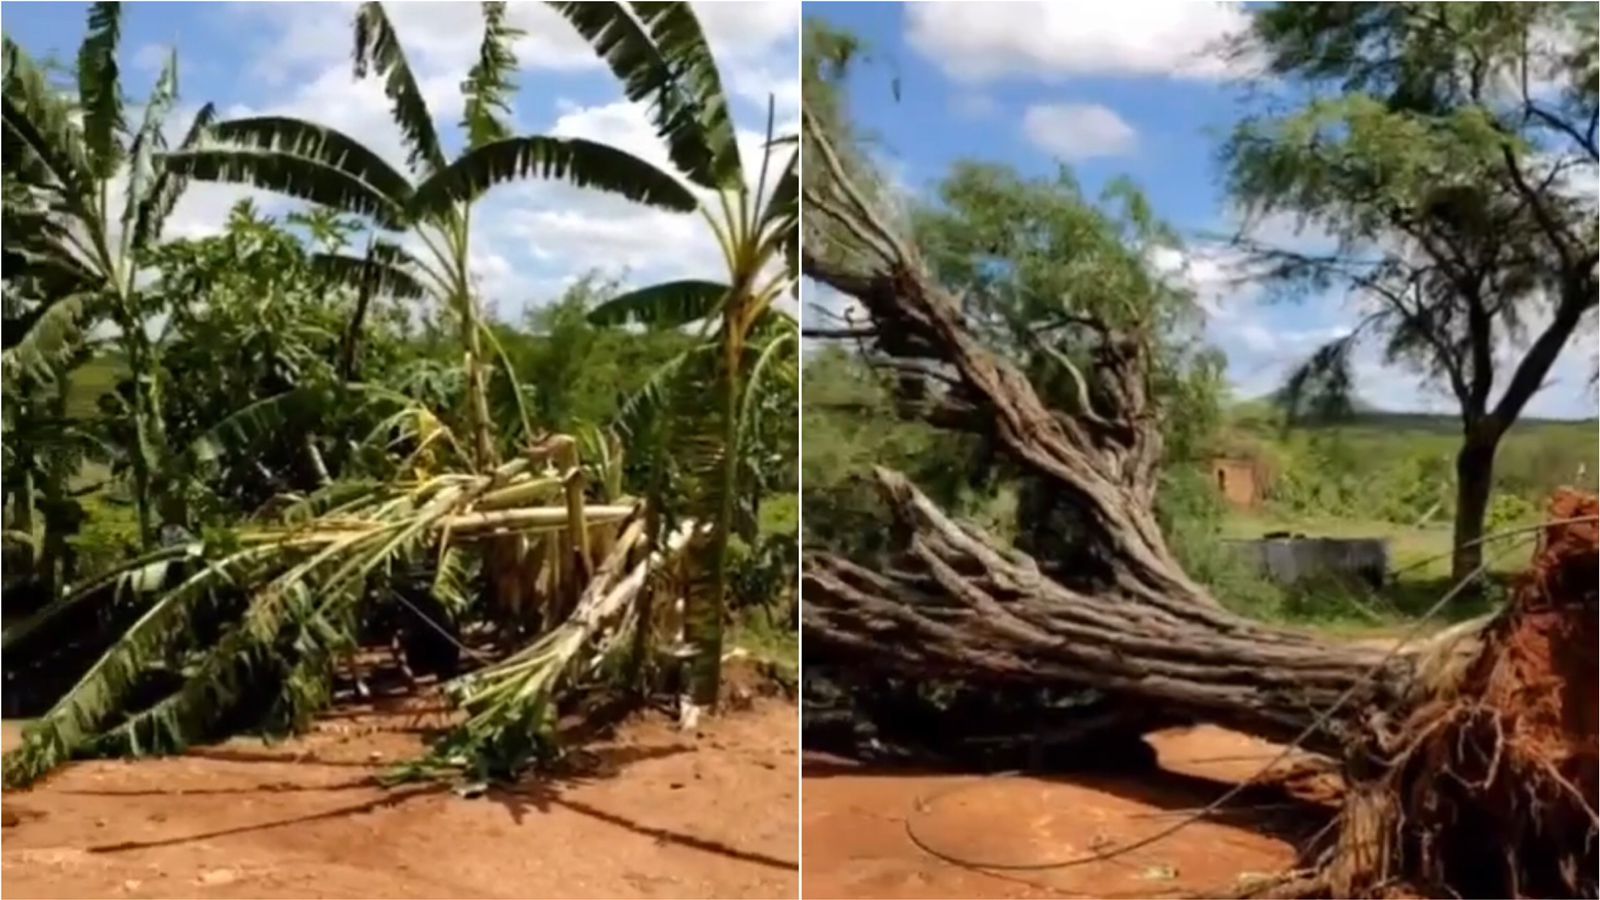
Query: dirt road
649, 813
856, 842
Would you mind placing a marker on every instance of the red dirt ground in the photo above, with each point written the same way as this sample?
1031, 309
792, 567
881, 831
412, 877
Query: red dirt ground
856, 843
654, 813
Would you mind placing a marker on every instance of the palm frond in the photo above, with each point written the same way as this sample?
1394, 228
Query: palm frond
146, 144
680, 40
288, 173
577, 161
42, 146
771, 363
378, 50
51, 338
388, 278
100, 89
321, 143
670, 77
637, 409
159, 201
99, 694
271, 415
488, 86
667, 305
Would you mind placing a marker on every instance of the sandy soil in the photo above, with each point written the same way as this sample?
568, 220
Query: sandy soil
650, 812
856, 841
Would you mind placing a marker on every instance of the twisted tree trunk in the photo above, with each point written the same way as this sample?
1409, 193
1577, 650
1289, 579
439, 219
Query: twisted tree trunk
955, 605
1441, 774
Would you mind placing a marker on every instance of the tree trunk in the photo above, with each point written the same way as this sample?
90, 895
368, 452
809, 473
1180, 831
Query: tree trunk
954, 605
1474, 483
484, 456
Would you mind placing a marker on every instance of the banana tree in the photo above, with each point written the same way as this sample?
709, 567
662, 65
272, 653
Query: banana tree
75, 253
75, 257
659, 53
432, 202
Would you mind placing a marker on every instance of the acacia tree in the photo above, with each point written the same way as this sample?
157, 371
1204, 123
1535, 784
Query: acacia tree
434, 203
1454, 167
660, 54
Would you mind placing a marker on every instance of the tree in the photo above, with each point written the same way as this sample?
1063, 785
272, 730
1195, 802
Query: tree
1453, 165
579, 371
434, 203
659, 53
70, 258
253, 314
1133, 631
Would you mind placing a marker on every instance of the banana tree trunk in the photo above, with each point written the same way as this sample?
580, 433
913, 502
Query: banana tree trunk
477, 386
145, 425
703, 622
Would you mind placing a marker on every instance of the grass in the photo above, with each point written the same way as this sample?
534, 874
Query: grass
1423, 552
88, 382
766, 641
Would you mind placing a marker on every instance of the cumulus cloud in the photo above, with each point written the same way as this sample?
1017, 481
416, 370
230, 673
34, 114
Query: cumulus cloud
977, 42
531, 239
1078, 131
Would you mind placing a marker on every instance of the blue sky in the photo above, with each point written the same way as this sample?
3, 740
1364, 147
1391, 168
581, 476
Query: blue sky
530, 239
1112, 89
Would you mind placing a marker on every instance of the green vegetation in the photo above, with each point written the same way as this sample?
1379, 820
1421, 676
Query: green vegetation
230, 461
1420, 144
1000, 240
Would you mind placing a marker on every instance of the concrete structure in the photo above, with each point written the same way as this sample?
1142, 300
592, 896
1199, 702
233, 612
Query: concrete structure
1287, 560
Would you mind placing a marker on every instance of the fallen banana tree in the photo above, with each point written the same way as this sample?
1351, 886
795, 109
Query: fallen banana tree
1124, 619
249, 625
512, 698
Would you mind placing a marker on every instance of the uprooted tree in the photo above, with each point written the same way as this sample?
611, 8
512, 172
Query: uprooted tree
952, 603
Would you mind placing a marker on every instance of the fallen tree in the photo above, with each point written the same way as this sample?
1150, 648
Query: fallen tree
1124, 618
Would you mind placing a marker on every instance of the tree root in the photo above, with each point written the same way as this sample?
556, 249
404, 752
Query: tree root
1491, 786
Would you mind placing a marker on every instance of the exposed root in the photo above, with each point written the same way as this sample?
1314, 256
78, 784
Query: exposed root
1491, 788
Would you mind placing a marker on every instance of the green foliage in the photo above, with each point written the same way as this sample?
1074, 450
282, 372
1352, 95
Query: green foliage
1509, 510
1399, 468
1437, 145
850, 425
278, 390
661, 57
579, 371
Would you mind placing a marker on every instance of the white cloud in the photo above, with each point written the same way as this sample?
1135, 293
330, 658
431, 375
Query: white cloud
530, 239
438, 36
978, 42
1078, 131
1212, 272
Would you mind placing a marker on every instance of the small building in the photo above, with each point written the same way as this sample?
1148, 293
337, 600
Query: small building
1237, 480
